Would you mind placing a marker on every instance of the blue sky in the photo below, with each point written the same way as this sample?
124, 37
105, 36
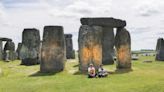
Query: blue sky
145, 18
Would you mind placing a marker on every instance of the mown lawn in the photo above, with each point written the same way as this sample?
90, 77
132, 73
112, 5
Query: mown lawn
145, 77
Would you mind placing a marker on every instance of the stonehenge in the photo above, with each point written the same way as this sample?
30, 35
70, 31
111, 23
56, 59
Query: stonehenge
30, 47
90, 46
160, 50
107, 43
70, 53
53, 49
8, 52
96, 41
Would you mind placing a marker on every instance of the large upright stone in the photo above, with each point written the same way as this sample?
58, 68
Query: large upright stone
103, 21
29, 51
9, 51
18, 50
70, 53
90, 46
1, 50
108, 45
160, 50
123, 47
53, 49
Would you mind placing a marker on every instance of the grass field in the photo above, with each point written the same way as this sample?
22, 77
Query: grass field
145, 77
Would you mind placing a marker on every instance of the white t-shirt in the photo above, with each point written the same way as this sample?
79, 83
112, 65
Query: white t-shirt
90, 69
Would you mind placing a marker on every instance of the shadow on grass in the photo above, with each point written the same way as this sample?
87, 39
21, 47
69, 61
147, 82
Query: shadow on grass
76, 65
29, 64
122, 71
80, 73
39, 73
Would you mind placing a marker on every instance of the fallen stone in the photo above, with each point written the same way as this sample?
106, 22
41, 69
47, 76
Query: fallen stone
134, 58
147, 61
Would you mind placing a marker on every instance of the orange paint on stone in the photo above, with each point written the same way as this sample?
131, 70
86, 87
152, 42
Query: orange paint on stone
97, 55
123, 54
86, 54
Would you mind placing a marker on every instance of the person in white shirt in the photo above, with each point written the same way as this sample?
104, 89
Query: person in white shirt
91, 71
102, 72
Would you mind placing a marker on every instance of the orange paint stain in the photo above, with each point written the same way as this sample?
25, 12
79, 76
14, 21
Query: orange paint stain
123, 54
97, 54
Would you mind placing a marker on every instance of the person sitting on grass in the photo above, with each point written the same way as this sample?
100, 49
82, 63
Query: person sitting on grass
102, 72
91, 71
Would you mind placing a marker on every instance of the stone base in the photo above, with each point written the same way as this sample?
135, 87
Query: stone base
124, 66
71, 56
108, 62
30, 61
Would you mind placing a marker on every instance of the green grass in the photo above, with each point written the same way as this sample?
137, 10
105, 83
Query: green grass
145, 77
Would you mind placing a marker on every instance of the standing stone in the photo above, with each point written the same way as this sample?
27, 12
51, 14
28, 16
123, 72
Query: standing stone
9, 51
53, 49
1, 50
123, 47
90, 46
160, 50
108, 45
18, 50
29, 51
70, 53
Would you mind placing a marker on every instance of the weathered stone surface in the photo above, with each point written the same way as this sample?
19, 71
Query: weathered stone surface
90, 46
70, 54
5, 39
2, 54
103, 21
1, 50
53, 49
108, 45
123, 47
18, 50
160, 50
9, 51
29, 51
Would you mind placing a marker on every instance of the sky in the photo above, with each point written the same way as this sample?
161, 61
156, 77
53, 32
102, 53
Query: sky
145, 18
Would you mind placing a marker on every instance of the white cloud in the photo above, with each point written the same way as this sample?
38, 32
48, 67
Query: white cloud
150, 7
82, 8
144, 17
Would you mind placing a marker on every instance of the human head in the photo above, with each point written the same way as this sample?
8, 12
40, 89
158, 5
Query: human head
91, 65
101, 65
